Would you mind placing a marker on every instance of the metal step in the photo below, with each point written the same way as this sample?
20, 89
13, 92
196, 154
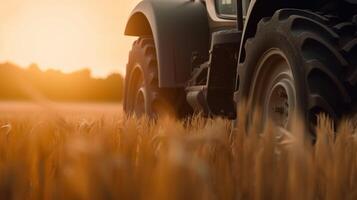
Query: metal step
196, 97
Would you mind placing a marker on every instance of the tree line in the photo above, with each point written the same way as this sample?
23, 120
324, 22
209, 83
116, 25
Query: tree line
31, 83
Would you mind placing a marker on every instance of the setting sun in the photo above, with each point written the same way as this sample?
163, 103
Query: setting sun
66, 35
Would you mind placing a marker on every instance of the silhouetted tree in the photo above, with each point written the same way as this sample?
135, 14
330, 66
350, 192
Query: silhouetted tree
26, 84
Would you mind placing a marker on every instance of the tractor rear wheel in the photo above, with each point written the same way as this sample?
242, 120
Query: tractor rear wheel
300, 62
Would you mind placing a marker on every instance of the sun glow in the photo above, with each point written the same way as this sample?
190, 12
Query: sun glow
66, 35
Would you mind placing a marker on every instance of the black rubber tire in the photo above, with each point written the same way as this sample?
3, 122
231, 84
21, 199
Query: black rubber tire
142, 74
322, 53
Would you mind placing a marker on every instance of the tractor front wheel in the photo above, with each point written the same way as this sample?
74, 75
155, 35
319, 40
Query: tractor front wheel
142, 95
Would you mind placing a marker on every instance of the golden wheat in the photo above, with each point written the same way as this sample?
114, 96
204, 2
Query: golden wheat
56, 154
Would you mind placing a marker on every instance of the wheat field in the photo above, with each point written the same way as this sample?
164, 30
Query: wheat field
53, 151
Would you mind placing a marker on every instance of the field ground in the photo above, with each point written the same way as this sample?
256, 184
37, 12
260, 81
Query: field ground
91, 151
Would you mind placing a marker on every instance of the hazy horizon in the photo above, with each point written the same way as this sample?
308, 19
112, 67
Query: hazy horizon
50, 69
66, 35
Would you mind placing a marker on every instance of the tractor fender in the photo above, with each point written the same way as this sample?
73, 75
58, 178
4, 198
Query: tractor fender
179, 28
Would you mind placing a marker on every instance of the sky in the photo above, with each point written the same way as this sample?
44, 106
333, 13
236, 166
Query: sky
67, 35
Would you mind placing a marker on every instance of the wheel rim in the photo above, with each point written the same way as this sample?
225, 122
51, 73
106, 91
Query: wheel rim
137, 96
273, 88
139, 107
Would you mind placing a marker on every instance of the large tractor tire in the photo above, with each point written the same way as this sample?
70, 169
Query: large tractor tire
142, 95
300, 62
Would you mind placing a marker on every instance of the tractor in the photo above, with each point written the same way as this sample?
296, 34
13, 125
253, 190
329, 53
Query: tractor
283, 57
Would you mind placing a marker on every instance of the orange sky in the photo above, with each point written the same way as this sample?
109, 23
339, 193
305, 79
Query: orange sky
66, 34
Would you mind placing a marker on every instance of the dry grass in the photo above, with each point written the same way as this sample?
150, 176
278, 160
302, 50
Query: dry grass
101, 155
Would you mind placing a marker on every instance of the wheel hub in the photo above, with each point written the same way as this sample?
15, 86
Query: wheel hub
278, 106
273, 88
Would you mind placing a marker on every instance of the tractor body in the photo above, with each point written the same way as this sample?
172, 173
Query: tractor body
213, 54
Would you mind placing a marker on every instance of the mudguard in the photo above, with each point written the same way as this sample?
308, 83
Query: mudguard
179, 28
